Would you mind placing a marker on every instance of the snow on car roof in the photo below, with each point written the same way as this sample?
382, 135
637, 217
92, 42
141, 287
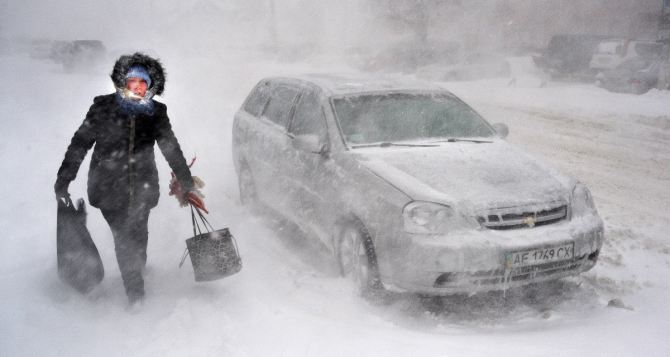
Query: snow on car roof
343, 84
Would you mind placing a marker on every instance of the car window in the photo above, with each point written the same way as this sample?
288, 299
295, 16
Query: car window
308, 117
281, 102
371, 118
257, 99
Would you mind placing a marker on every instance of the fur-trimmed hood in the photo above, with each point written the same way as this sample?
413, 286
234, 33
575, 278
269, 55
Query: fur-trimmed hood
153, 66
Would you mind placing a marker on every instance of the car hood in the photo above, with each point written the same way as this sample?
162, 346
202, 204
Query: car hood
481, 176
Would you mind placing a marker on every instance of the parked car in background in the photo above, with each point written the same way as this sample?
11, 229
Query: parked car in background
59, 50
635, 75
611, 53
409, 187
569, 55
78, 55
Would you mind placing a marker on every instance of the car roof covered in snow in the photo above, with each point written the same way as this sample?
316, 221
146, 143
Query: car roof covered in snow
337, 84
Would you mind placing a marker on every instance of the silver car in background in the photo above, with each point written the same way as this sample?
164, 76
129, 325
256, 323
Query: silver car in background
409, 187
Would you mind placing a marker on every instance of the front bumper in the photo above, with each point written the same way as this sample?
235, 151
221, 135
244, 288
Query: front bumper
474, 261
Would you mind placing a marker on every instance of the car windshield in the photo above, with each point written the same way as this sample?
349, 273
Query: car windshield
394, 117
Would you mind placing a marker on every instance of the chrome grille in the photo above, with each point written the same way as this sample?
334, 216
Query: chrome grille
513, 218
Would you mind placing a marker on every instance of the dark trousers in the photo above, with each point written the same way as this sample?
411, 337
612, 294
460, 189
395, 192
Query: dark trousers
129, 228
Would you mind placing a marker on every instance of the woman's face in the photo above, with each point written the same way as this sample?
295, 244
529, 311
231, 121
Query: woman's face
137, 85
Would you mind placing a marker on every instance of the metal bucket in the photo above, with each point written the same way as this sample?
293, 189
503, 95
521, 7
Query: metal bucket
214, 255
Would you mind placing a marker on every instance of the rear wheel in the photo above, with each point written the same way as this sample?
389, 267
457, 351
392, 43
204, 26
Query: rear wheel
358, 261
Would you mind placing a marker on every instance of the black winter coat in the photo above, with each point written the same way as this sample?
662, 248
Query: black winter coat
123, 170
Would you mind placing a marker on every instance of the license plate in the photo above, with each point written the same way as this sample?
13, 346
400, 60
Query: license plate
538, 256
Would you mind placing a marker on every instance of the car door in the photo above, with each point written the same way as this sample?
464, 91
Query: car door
273, 146
311, 175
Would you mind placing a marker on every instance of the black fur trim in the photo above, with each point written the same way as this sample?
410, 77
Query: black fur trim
153, 66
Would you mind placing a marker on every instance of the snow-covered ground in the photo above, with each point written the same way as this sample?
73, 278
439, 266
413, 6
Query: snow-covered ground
288, 299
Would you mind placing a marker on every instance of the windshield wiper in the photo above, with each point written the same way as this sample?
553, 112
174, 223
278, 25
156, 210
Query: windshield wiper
454, 140
388, 144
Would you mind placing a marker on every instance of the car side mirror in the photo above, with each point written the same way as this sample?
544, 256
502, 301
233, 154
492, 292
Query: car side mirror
310, 143
501, 129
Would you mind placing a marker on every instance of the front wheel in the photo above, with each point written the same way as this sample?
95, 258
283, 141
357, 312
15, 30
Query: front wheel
358, 261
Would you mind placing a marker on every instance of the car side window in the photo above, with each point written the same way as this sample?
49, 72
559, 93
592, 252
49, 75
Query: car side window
308, 117
257, 99
281, 102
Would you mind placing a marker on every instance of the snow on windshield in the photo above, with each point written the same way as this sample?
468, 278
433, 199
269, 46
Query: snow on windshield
392, 117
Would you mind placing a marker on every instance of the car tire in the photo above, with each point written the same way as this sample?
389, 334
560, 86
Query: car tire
247, 187
358, 261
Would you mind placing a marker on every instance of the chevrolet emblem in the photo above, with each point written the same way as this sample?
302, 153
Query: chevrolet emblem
529, 221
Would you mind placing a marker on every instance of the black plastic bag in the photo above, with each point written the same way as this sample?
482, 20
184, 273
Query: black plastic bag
214, 253
79, 263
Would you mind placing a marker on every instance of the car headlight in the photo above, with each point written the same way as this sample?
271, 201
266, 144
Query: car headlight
582, 202
430, 218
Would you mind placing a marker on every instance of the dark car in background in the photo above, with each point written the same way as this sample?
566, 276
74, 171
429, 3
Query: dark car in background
78, 55
569, 55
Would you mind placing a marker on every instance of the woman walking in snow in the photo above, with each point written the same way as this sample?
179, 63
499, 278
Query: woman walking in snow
122, 178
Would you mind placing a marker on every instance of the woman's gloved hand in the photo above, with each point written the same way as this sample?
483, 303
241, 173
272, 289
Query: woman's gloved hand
193, 196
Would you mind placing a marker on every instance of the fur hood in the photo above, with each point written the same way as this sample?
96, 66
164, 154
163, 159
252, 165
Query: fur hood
153, 66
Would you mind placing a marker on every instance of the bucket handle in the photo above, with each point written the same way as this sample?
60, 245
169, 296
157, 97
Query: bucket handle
196, 228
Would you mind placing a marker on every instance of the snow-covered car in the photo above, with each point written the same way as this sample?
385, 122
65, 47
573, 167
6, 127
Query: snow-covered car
636, 75
611, 53
569, 54
409, 187
78, 55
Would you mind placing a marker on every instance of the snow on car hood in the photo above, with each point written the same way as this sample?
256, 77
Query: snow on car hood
482, 176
